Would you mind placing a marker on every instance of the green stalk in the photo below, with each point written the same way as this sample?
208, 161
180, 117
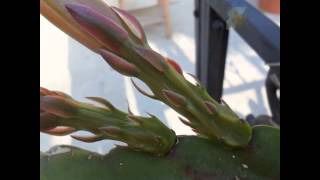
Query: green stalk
123, 45
62, 115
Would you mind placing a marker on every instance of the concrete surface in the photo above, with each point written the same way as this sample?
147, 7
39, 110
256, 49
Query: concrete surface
70, 67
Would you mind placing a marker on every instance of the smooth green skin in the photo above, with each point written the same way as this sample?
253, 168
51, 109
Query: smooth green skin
192, 158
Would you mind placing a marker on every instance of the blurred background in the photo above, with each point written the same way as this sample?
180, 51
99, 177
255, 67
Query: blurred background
67, 66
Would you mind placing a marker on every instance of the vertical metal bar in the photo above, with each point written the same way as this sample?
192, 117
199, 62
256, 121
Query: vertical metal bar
213, 49
197, 34
271, 88
204, 41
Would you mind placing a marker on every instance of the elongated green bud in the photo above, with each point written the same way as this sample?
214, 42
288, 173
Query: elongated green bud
57, 106
101, 27
58, 118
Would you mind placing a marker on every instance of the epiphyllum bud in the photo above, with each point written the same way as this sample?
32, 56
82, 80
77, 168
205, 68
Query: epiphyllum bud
61, 115
54, 106
101, 27
58, 106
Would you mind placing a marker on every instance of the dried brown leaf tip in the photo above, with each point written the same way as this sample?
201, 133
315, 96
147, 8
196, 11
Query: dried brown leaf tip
103, 102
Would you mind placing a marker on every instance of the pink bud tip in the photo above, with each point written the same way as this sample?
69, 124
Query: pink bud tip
119, 64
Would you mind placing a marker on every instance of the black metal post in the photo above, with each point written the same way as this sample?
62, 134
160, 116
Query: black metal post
212, 20
198, 37
212, 49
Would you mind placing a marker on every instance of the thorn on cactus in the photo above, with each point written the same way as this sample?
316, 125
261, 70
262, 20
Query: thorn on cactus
129, 111
101, 27
111, 131
195, 79
142, 91
134, 119
119, 64
210, 107
60, 131
151, 115
185, 122
132, 23
225, 103
102, 101
88, 139
175, 98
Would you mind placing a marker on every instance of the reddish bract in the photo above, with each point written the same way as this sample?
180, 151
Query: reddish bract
174, 65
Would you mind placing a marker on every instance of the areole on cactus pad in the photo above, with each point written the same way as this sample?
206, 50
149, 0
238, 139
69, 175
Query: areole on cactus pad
119, 38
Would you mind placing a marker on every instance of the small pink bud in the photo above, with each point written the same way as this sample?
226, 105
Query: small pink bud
119, 64
102, 28
58, 106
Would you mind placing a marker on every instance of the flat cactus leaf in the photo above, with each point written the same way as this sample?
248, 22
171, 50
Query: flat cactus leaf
191, 158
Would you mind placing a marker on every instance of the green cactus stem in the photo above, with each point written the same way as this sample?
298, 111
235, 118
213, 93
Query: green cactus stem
61, 115
191, 158
126, 50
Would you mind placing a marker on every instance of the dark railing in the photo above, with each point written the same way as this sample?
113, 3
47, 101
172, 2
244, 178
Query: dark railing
214, 18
